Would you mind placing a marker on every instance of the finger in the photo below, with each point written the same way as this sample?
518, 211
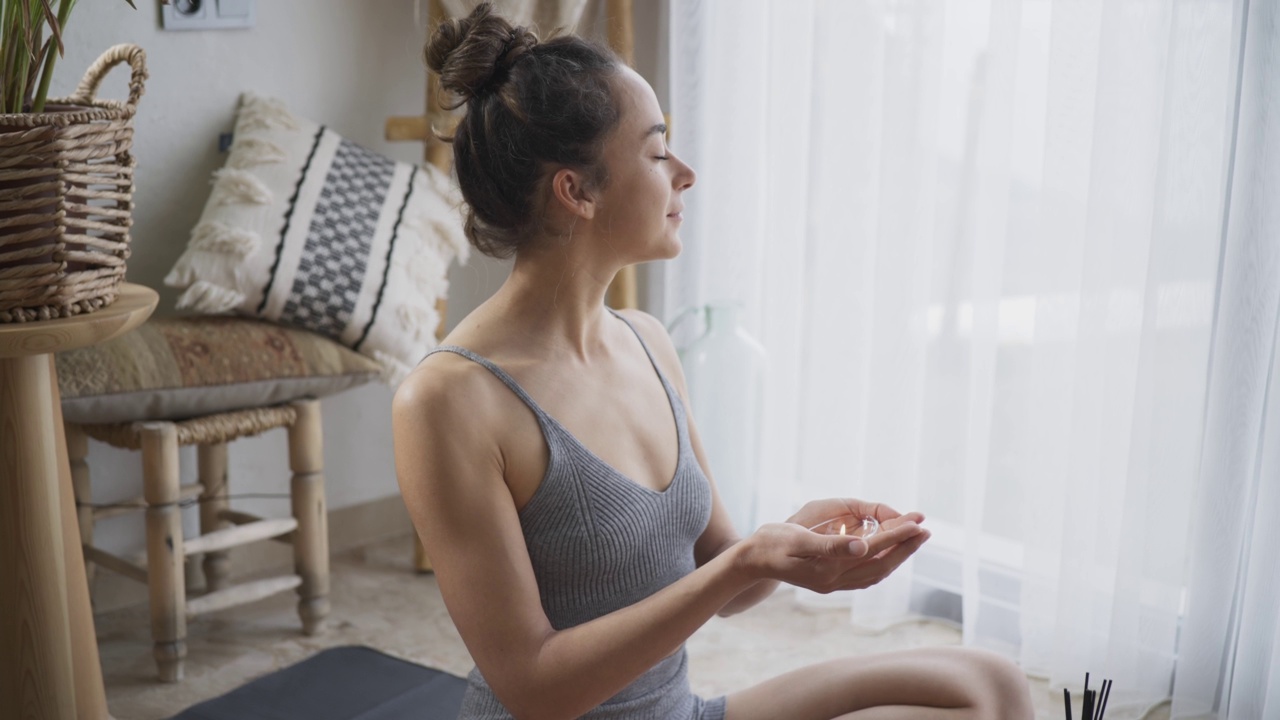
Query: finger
911, 517
873, 571
879, 511
883, 513
891, 536
893, 558
819, 511
834, 546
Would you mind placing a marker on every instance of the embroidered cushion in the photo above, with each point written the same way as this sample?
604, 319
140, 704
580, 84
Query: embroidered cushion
177, 368
310, 230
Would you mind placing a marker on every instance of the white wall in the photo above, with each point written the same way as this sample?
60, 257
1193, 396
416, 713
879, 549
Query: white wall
345, 63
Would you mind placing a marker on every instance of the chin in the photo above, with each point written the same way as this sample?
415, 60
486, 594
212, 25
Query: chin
670, 247
664, 247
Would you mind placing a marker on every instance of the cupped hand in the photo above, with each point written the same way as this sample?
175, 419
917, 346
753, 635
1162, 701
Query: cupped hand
825, 563
820, 511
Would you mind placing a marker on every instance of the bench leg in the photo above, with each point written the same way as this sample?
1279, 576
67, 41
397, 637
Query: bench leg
311, 539
212, 461
160, 483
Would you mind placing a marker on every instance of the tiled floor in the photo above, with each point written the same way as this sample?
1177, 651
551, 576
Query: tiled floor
378, 601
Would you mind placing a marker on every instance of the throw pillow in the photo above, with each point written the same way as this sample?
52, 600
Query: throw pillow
310, 230
178, 368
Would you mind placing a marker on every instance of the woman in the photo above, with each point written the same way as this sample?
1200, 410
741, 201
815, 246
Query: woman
546, 455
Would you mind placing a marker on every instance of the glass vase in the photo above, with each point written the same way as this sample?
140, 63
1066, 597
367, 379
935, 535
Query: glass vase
724, 368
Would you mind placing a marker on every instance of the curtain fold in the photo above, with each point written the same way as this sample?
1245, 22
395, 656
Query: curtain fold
981, 245
1229, 655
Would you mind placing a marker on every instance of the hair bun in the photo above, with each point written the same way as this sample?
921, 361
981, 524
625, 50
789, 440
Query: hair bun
474, 55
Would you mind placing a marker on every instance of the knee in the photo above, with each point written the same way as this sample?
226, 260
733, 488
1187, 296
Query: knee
1001, 689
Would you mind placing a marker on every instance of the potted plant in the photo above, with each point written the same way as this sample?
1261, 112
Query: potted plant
66, 170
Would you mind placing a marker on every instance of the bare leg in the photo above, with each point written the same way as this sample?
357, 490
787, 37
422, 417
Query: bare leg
944, 683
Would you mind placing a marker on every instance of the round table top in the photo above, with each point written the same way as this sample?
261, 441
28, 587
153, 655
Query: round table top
132, 306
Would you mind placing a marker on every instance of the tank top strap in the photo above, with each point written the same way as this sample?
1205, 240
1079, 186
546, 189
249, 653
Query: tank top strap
666, 385
543, 417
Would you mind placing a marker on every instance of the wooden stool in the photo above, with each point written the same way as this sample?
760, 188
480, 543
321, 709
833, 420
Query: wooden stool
221, 528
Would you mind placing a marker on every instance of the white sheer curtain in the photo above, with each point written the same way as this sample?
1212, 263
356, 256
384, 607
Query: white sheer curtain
1229, 653
981, 243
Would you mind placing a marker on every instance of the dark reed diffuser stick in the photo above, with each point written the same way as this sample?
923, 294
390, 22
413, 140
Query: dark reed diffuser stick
1066, 698
1086, 707
1106, 695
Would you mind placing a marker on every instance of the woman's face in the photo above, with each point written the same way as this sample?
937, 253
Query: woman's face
640, 207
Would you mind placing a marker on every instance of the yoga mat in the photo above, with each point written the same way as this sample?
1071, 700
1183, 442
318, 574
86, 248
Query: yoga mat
342, 683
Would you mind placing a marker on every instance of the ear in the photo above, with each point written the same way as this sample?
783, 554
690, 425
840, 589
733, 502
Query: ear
569, 188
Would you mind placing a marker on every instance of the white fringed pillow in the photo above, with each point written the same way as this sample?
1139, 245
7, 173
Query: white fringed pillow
309, 230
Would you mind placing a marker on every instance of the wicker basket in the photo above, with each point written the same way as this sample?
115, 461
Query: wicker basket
66, 198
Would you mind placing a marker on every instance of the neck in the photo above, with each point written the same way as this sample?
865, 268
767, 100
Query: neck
555, 298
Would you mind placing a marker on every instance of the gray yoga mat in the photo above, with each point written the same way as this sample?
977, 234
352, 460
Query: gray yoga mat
342, 683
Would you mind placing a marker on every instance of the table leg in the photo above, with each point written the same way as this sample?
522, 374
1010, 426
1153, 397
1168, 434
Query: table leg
91, 699
36, 672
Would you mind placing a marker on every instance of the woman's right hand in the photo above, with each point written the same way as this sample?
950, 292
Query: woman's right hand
825, 563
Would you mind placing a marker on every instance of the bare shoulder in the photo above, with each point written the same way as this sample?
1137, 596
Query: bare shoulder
447, 410
650, 328
448, 435
659, 341
445, 386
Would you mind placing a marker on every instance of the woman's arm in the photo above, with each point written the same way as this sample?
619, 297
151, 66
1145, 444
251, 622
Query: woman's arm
447, 423
720, 534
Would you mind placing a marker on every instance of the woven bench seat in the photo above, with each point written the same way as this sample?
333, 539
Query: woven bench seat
207, 381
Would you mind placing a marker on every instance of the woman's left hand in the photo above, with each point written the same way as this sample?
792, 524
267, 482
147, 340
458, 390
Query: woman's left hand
900, 534
820, 511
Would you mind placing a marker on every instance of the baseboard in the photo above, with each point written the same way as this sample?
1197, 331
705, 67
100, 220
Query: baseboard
349, 527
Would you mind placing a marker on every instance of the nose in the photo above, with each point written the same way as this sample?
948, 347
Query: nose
685, 176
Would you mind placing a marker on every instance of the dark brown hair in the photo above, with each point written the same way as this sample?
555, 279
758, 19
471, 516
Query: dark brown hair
531, 107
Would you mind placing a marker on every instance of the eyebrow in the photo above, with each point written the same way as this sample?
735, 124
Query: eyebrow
660, 129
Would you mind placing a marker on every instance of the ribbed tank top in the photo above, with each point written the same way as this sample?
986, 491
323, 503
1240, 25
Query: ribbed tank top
598, 542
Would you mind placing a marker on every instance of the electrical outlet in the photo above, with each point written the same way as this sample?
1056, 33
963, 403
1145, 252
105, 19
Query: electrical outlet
207, 14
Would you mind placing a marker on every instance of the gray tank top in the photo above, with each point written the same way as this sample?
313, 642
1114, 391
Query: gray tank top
598, 542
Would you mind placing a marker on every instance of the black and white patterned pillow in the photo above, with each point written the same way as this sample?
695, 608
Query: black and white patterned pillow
313, 231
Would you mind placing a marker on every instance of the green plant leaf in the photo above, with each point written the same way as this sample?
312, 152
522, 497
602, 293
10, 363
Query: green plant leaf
27, 57
24, 12
52, 20
10, 59
23, 61
35, 75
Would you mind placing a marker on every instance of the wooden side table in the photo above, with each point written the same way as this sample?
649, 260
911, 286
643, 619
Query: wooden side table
49, 666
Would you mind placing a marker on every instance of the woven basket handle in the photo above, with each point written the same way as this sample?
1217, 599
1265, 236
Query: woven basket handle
137, 59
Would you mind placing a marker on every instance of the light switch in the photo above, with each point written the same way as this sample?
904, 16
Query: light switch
207, 14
